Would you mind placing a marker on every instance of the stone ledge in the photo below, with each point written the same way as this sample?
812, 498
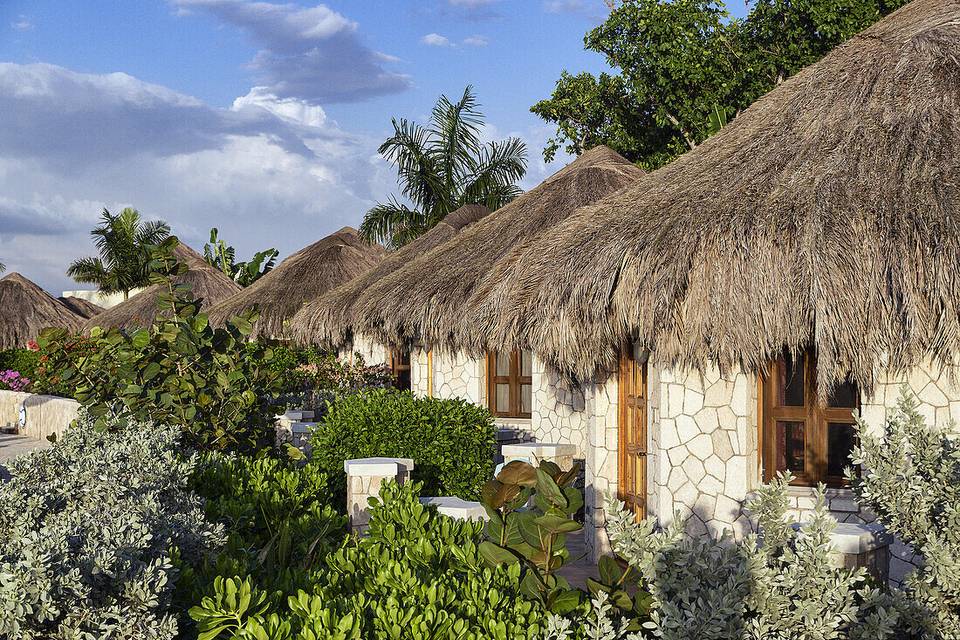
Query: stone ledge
457, 507
377, 466
854, 539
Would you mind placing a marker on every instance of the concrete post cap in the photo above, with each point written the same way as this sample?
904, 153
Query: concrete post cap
457, 507
385, 467
853, 539
538, 450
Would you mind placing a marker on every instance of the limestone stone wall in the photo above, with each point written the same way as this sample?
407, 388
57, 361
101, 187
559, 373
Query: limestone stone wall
42, 416
559, 411
418, 372
371, 351
601, 401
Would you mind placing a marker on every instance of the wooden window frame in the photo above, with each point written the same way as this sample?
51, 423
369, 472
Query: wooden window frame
631, 367
398, 364
815, 416
515, 382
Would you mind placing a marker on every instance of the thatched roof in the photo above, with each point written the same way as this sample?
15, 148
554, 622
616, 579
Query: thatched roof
424, 301
825, 215
328, 320
208, 283
304, 276
83, 308
26, 309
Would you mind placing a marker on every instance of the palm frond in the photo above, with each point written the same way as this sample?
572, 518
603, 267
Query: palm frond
455, 129
390, 222
417, 173
495, 171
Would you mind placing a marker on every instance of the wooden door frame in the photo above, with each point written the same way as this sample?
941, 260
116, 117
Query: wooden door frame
626, 370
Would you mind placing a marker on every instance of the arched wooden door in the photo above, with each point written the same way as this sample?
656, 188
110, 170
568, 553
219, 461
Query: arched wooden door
632, 429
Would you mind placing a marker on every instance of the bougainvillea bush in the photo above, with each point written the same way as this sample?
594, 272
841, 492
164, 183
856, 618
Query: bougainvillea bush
88, 527
13, 381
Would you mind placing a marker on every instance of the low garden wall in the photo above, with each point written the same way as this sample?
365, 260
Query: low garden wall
34, 415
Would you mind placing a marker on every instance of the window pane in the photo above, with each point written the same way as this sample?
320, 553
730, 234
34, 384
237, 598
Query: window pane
840, 440
502, 364
503, 398
791, 385
844, 395
790, 446
526, 398
526, 365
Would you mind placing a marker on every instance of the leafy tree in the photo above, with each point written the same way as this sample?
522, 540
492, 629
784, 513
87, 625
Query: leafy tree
685, 68
124, 242
222, 256
441, 167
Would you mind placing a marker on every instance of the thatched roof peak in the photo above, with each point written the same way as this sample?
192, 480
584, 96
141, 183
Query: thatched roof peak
26, 309
425, 299
207, 283
825, 215
301, 277
83, 308
329, 319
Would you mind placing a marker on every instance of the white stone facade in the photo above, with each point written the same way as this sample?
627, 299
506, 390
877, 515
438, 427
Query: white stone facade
372, 352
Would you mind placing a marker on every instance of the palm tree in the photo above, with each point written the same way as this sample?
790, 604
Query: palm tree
3, 267
123, 241
442, 167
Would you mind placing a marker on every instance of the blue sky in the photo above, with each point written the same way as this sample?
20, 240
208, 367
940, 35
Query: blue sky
260, 118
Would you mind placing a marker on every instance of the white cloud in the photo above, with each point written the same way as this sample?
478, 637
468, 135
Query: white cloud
476, 41
269, 171
22, 23
311, 53
435, 40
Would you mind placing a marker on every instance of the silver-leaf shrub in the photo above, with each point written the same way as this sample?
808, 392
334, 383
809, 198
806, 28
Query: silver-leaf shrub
86, 530
910, 478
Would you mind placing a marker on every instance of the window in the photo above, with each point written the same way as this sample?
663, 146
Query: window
510, 384
400, 367
800, 434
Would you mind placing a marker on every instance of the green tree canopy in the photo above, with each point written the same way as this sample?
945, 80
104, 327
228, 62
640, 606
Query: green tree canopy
222, 256
124, 242
683, 68
441, 167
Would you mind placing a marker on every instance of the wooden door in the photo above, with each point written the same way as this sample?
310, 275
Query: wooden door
632, 428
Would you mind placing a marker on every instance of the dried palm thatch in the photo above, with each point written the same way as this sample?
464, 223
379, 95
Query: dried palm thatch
424, 301
208, 284
83, 308
26, 309
328, 320
825, 215
304, 276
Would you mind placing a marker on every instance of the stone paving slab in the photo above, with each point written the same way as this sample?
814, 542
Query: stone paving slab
12, 446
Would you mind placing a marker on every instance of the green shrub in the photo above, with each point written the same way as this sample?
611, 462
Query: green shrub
87, 527
910, 478
786, 587
23, 361
180, 371
450, 441
417, 576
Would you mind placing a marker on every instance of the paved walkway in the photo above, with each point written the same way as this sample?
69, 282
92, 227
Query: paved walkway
12, 446
580, 568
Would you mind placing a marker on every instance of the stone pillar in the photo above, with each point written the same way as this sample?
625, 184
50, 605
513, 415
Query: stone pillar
457, 508
536, 452
364, 479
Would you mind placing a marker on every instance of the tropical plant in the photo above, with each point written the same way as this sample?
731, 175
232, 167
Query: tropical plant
3, 267
123, 242
417, 575
684, 67
181, 371
222, 256
451, 440
88, 527
443, 166
910, 478
533, 536
23, 361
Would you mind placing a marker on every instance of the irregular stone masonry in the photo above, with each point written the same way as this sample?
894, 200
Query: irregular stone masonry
365, 476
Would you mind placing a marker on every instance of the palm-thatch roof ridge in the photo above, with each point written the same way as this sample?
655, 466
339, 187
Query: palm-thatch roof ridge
208, 284
825, 215
424, 301
83, 308
26, 310
329, 319
303, 276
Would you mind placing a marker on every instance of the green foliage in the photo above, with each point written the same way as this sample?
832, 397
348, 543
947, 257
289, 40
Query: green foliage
533, 536
685, 68
443, 166
180, 371
24, 361
418, 576
87, 528
910, 478
451, 440
218, 254
124, 242
786, 587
